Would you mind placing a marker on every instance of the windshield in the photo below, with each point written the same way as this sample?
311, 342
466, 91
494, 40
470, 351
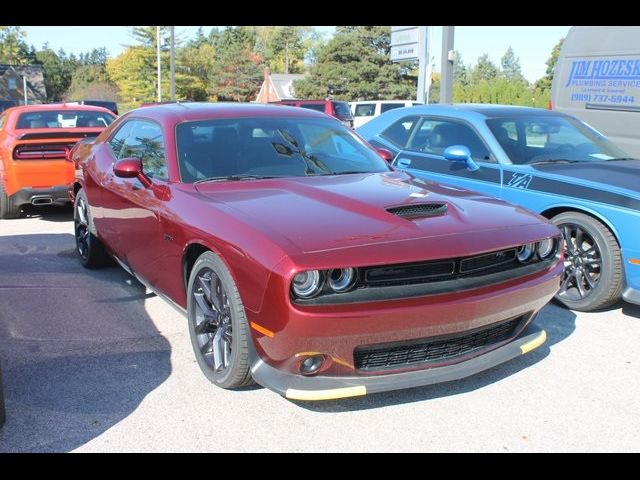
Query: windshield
552, 138
64, 119
271, 147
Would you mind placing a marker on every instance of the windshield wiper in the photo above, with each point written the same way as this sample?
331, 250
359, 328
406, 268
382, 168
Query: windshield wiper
619, 159
555, 160
235, 178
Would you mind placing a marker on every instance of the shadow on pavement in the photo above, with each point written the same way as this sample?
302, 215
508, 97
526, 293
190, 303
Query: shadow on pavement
557, 321
631, 310
79, 352
49, 213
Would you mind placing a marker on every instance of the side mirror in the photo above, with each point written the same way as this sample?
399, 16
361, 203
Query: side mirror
131, 168
386, 155
460, 153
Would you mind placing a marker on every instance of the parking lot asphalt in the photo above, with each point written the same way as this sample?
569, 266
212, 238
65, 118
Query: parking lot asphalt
92, 362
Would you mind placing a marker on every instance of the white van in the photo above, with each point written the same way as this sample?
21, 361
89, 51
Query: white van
365, 110
597, 79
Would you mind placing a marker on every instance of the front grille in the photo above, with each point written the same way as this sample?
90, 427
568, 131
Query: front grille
489, 260
408, 272
439, 270
419, 210
433, 350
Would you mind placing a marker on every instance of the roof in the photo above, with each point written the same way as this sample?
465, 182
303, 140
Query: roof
202, 111
283, 84
490, 110
34, 76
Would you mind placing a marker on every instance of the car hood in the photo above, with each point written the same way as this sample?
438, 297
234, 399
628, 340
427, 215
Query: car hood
617, 173
332, 212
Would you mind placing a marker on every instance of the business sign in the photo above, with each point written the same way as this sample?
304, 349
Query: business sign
613, 81
405, 43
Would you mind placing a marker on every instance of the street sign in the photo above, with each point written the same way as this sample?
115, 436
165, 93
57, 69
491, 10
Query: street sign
405, 43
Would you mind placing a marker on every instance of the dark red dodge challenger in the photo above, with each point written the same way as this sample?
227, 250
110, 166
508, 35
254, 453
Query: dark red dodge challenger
301, 259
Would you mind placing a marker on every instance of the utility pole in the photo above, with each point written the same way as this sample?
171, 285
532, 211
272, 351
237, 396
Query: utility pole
446, 69
172, 64
24, 89
158, 62
423, 59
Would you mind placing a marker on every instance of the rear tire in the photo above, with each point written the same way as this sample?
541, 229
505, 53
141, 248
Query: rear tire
593, 272
218, 325
8, 208
90, 249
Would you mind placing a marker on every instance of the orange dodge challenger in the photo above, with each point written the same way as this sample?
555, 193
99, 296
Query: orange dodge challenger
34, 143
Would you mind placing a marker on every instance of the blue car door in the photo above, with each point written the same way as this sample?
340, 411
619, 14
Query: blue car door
422, 141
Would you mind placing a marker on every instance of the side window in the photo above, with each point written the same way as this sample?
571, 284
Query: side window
3, 118
117, 141
398, 133
385, 107
365, 110
435, 135
146, 142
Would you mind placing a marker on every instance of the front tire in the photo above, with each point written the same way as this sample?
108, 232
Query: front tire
592, 277
218, 325
8, 208
90, 250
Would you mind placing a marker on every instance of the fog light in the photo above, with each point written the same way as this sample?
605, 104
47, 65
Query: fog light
311, 365
525, 252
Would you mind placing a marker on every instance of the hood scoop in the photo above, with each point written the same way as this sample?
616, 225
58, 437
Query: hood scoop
418, 210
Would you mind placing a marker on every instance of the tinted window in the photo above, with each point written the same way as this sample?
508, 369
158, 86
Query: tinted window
146, 142
548, 138
64, 119
385, 107
342, 110
365, 110
435, 135
398, 133
271, 146
313, 106
117, 141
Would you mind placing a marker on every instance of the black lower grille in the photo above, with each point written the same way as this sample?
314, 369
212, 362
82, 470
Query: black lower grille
432, 350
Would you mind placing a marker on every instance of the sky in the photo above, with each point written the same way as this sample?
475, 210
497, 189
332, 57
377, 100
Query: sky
532, 45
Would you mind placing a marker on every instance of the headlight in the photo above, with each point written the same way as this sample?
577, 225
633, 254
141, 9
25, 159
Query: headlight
306, 284
341, 279
525, 252
546, 248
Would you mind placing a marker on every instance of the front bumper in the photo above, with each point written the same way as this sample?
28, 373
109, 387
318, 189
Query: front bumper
297, 387
58, 195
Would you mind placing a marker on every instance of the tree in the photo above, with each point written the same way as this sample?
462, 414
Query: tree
460, 71
237, 74
195, 70
485, 69
511, 69
92, 82
545, 82
13, 49
354, 65
57, 72
288, 50
133, 71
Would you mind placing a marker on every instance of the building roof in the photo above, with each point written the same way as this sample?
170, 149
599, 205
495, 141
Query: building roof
283, 84
35, 81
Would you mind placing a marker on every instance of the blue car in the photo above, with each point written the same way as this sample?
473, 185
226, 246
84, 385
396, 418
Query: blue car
548, 162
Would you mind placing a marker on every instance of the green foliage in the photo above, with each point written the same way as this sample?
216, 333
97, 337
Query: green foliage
134, 72
355, 65
545, 82
237, 73
195, 71
511, 69
92, 82
485, 69
13, 48
57, 72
